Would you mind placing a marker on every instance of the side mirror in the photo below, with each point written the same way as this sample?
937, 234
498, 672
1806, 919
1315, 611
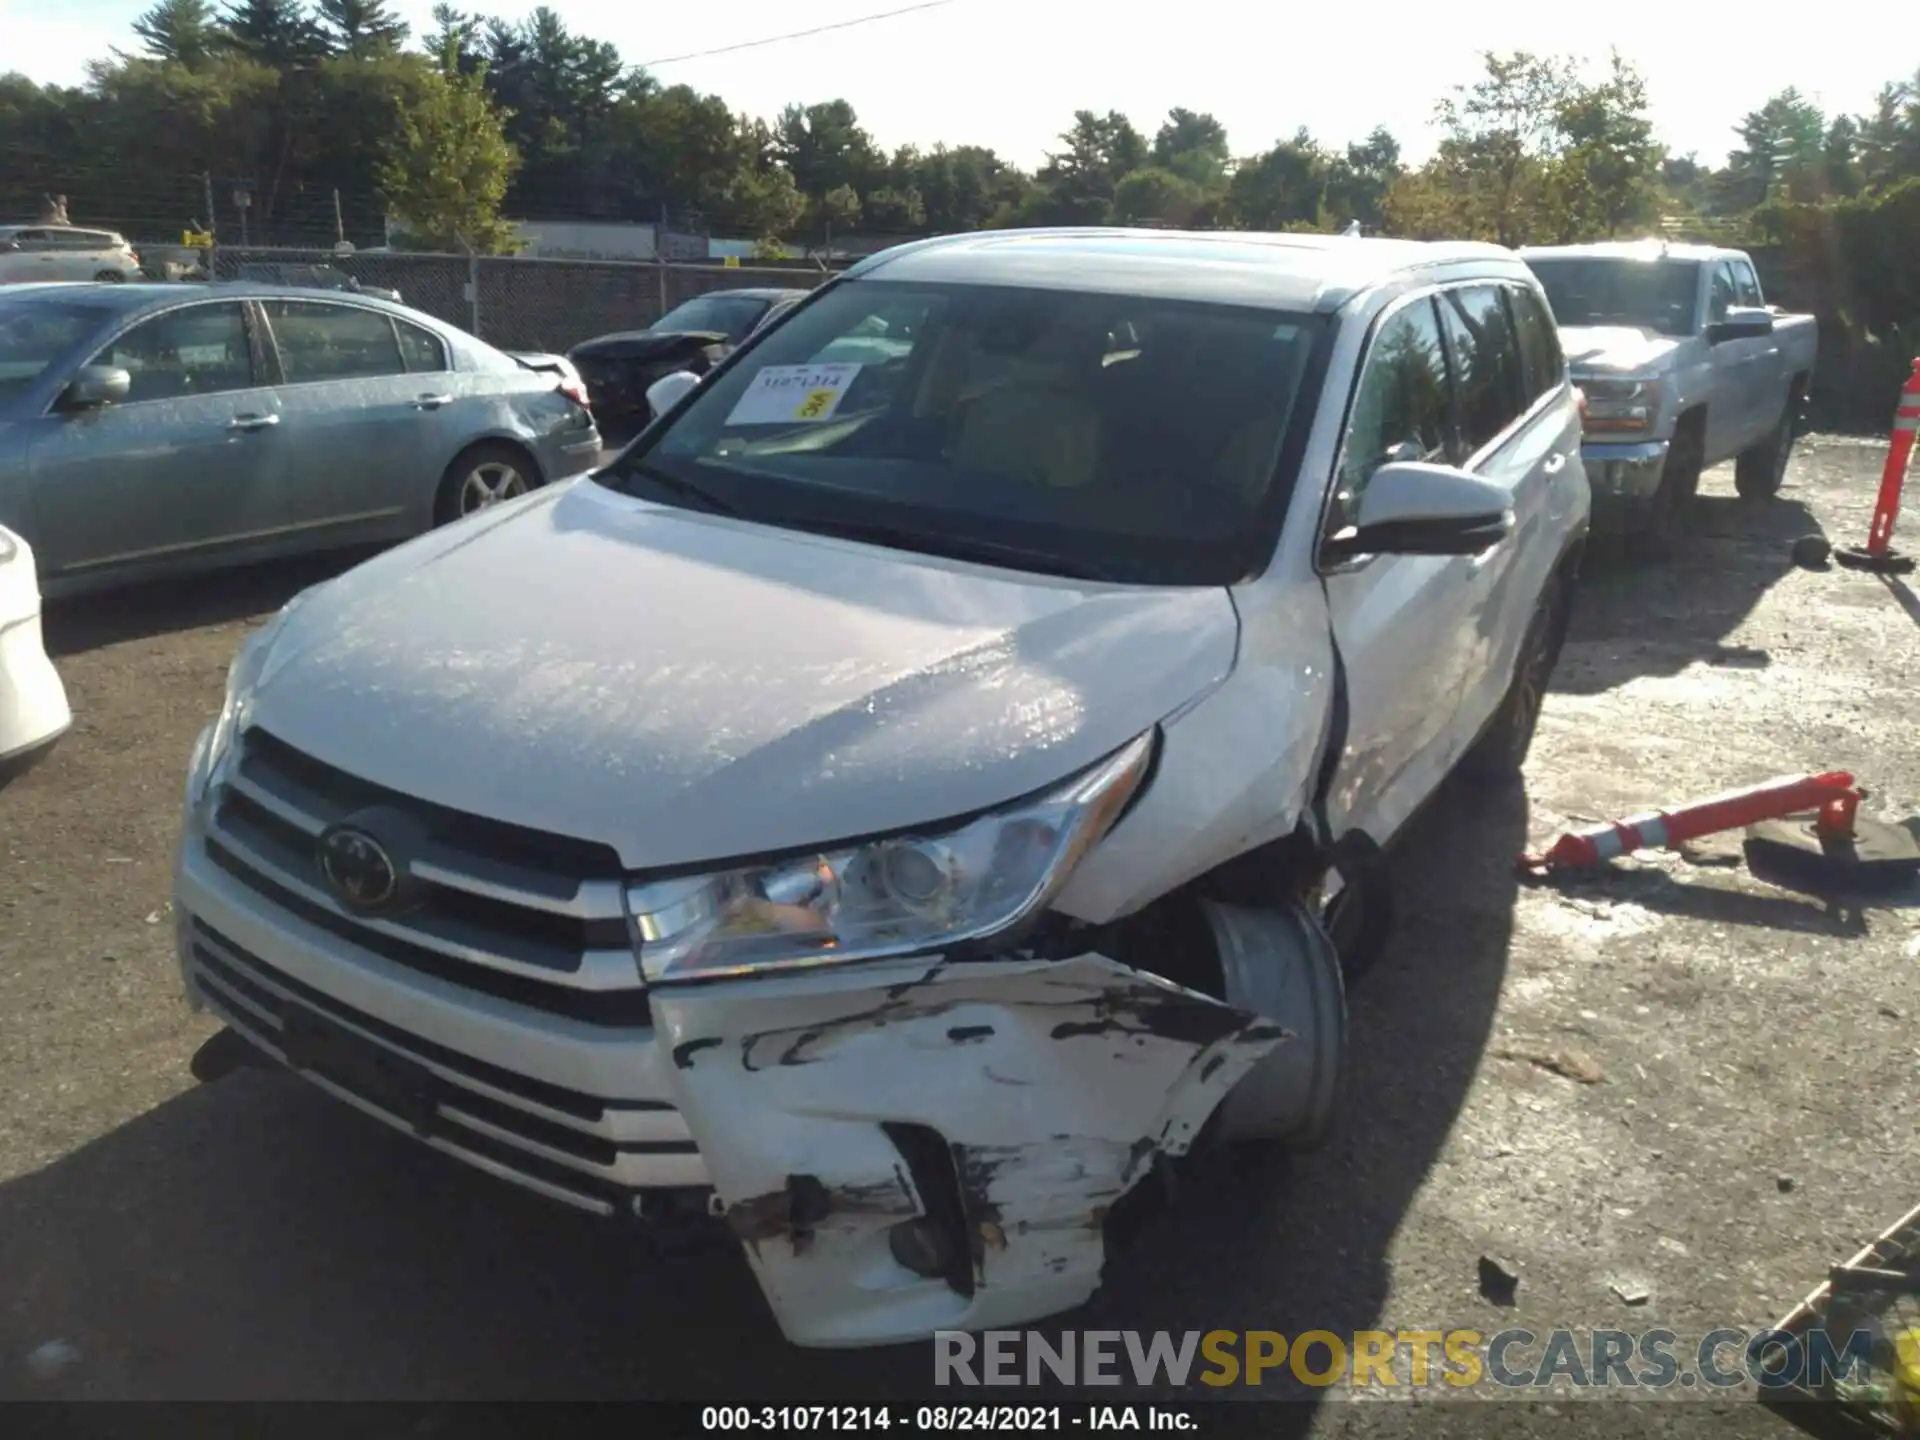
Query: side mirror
669, 390
1743, 322
1413, 508
95, 386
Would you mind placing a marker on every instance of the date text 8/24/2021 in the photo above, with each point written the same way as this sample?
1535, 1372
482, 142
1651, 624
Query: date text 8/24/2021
938, 1419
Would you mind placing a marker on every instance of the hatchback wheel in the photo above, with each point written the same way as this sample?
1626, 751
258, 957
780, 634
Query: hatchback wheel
485, 476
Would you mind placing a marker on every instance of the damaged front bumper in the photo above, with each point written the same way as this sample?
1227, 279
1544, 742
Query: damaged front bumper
937, 1147
899, 1147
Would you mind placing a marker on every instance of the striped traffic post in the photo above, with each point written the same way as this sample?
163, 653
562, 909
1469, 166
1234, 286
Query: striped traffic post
1878, 554
1832, 795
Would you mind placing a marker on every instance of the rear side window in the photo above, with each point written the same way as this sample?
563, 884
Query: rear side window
422, 348
1400, 408
1486, 363
1543, 365
318, 341
1746, 285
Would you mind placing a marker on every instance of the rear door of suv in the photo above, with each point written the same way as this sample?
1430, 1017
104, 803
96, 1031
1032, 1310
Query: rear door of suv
1517, 426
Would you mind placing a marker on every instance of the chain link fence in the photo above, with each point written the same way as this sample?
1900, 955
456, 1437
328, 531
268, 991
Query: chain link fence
514, 302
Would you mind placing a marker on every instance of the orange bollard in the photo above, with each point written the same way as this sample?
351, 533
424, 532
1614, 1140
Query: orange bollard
1879, 554
1832, 794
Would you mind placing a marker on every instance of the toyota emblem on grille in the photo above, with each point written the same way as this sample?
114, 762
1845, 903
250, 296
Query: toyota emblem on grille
359, 868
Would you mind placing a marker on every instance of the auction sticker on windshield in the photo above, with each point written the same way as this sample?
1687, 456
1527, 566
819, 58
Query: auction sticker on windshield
786, 394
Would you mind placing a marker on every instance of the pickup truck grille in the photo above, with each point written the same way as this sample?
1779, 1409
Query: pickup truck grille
592, 1153
536, 919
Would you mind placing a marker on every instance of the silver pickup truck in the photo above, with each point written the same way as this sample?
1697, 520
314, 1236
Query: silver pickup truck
1683, 365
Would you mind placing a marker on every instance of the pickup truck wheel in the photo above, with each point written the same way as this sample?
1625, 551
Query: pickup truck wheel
1672, 508
1758, 473
1501, 752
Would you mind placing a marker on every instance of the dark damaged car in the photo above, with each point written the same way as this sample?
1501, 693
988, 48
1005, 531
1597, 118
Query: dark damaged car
693, 338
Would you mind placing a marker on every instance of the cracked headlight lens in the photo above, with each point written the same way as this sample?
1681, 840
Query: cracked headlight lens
898, 896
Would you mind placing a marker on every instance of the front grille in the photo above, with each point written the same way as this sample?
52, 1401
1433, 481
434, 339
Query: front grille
536, 919
582, 1149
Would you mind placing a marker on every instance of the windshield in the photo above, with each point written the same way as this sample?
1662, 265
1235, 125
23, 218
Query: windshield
731, 315
1649, 294
1100, 435
35, 334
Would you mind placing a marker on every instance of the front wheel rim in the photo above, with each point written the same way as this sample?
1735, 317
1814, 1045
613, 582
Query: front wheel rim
488, 484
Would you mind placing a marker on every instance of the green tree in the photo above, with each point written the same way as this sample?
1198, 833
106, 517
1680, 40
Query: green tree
1605, 173
1358, 181
361, 28
1280, 188
1157, 195
1782, 153
1192, 146
1502, 132
462, 30
825, 149
179, 30
965, 187
836, 212
448, 166
895, 210
1077, 183
279, 33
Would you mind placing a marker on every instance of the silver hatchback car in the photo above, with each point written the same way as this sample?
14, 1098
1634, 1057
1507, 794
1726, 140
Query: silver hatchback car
150, 430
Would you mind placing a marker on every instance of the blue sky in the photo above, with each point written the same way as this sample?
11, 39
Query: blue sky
1009, 73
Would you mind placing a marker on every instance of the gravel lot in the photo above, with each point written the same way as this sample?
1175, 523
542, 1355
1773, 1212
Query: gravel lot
1748, 1123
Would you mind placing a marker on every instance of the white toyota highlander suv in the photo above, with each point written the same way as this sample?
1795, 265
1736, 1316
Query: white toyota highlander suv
933, 777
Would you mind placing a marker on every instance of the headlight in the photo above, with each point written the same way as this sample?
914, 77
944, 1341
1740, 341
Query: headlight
243, 678
900, 896
1620, 405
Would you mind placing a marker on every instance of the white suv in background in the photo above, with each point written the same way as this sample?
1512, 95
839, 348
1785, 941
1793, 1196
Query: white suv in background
33, 702
895, 805
64, 252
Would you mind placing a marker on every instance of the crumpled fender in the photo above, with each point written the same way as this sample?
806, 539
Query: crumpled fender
1056, 1083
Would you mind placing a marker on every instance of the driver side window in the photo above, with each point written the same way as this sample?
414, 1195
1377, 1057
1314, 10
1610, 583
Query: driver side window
1721, 297
1400, 410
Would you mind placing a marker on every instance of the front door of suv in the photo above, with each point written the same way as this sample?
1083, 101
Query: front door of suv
1399, 620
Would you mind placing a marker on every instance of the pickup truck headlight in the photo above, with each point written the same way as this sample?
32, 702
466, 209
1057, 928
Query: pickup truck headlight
1620, 406
903, 895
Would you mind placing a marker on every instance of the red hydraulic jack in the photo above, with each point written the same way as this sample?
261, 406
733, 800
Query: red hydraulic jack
1878, 555
1835, 850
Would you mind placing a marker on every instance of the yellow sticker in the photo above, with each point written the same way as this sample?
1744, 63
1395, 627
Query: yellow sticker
815, 405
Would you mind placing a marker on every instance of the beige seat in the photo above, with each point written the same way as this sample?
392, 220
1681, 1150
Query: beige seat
1039, 419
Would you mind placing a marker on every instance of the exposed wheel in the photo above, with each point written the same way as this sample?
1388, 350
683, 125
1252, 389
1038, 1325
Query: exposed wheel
110, 277
1501, 752
482, 477
1758, 473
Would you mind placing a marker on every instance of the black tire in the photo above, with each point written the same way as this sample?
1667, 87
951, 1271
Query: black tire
505, 471
1359, 919
1500, 754
1672, 511
110, 277
1759, 473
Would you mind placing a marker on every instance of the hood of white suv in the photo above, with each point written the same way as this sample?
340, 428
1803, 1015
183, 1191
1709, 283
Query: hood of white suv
1615, 349
686, 688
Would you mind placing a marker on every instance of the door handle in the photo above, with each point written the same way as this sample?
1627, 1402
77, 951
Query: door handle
431, 402
252, 422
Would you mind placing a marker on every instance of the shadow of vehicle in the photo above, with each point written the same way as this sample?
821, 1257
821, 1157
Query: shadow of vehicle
254, 1239
1657, 618
94, 621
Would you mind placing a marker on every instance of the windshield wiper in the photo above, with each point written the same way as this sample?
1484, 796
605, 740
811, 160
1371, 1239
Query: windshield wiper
985, 552
676, 485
